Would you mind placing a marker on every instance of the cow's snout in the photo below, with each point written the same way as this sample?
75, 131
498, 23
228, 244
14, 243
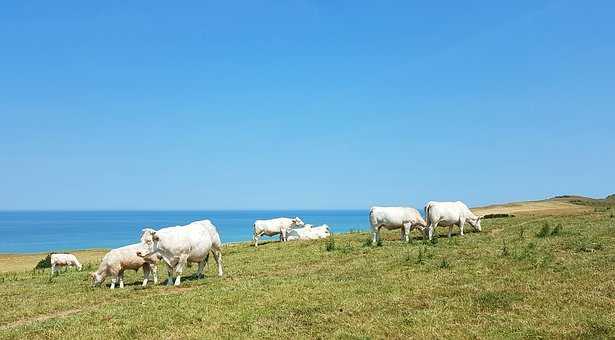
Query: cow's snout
139, 254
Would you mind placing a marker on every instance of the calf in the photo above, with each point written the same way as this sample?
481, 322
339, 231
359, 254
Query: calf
118, 260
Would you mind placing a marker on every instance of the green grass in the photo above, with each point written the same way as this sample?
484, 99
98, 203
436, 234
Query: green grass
502, 283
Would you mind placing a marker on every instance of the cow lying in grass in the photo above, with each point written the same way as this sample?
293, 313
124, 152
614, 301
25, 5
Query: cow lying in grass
118, 260
308, 233
63, 260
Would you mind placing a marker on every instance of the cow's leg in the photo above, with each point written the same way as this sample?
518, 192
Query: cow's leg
199, 271
431, 229
170, 272
121, 278
218, 258
406, 229
450, 230
461, 223
374, 236
146, 274
283, 235
113, 280
183, 259
257, 236
154, 272
53, 269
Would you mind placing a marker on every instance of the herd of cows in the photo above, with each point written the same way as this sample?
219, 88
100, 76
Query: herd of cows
193, 243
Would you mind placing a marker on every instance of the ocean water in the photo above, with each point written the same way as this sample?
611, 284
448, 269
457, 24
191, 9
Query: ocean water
45, 231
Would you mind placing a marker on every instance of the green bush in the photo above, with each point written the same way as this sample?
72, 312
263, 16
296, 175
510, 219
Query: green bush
44, 263
544, 231
330, 244
557, 230
444, 264
504, 250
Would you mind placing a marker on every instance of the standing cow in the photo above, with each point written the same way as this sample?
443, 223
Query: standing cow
182, 244
448, 214
274, 227
404, 218
63, 260
118, 260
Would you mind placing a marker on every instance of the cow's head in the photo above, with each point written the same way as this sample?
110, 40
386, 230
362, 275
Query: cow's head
475, 223
149, 239
297, 221
97, 279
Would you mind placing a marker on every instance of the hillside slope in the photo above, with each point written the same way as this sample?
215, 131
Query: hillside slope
522, 277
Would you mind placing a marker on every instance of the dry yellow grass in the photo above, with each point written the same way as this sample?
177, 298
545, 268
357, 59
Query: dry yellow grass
549, 207
23, 262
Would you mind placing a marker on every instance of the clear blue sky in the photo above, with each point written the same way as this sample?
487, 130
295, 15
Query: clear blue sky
303, 104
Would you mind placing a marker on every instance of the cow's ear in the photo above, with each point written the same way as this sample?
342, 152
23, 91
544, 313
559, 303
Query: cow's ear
155, 237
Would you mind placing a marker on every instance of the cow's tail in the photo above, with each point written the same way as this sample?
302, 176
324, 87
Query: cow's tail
427, 207
372, 218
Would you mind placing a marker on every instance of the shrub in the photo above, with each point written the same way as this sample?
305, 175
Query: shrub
544, 231
421, 257
379, 243
504, 250
44, 263
367, 242
330, 244
497, 216
557, 230
444, 264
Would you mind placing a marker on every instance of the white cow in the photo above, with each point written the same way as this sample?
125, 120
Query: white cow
63, 260
308, 232
404, 218
118, 260
182, 244
274, 227
448, 214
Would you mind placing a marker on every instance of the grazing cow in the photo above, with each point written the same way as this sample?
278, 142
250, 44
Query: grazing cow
63, 260
182, 244
404, 218
448, 214
274, 227
308, 232
118, 260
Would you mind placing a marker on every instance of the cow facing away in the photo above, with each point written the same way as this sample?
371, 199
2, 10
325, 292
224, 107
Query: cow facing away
448, 214
274, 227
309, 232
63, 260
118, 260
404, 218
182, 244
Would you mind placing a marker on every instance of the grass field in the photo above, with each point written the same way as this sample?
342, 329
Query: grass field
532, 275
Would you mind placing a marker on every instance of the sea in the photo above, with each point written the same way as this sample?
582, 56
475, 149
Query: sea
58, 231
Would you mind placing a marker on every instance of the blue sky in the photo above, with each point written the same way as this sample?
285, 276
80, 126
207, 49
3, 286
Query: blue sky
303, 104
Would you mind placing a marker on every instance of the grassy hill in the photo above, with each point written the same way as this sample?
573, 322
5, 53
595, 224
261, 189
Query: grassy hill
532, 275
